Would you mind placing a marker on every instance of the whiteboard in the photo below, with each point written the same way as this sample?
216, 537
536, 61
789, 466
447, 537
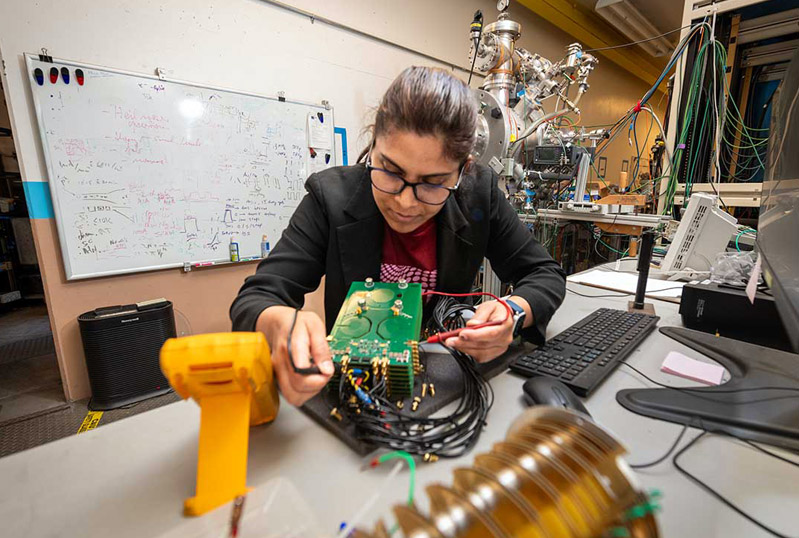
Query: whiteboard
148, 174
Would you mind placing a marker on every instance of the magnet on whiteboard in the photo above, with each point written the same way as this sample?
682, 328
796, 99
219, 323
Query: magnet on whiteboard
38, 74
79, 76
53, 75
65, 75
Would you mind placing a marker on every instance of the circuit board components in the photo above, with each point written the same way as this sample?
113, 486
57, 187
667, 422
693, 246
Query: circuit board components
377, 331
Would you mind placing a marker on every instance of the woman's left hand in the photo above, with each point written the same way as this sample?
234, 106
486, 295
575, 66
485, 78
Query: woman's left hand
485, 343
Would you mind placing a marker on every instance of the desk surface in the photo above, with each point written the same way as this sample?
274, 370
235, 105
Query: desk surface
129, 478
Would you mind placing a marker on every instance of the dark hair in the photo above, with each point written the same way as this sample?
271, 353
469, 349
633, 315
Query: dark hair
430, 101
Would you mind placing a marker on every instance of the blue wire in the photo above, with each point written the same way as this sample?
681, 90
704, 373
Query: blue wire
682, 47
637, 150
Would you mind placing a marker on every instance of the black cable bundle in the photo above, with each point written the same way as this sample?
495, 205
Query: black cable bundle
378, 420
447, 315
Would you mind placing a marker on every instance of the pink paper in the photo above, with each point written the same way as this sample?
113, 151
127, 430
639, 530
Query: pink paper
754, 279
678, 364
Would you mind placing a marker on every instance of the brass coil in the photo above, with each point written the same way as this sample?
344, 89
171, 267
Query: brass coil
557, 474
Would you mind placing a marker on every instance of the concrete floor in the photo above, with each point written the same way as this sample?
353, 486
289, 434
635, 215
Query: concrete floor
30, 382
29, 386
33, 410
59, 422
20, 325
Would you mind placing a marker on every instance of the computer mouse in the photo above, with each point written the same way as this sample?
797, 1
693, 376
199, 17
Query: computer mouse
544, 390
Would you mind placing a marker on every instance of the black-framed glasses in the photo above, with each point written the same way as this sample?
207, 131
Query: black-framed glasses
427, 193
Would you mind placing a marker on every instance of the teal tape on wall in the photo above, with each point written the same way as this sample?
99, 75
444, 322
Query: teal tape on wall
342, 132
37, 194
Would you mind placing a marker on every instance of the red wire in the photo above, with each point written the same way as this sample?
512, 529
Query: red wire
441, 337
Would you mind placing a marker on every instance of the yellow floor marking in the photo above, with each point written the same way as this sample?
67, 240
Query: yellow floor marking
91, 421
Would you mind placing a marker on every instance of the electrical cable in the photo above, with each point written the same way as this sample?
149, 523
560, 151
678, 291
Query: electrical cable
478, 19
717, 117
637, 150
705, 431
310, 370
675, 461
625, 294
441, 337
704, 391
364, 400
665, 456
445, 436
400, 454
407, 458
738, 237
598, 296
640, 41
369, 504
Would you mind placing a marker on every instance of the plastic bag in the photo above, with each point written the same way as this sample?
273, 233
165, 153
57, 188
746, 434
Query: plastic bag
273, 510
733, 268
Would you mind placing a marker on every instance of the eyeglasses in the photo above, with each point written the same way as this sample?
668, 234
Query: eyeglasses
427, 193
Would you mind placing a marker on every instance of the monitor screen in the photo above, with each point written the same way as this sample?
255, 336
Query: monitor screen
778, 225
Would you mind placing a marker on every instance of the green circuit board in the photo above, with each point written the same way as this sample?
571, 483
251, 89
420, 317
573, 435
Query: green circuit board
378, 329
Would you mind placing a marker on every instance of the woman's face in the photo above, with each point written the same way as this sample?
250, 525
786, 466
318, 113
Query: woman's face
417, 159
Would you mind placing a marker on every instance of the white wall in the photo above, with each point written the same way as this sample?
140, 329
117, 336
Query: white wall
257, 47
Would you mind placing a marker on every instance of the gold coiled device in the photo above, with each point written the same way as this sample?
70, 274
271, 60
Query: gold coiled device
557, 474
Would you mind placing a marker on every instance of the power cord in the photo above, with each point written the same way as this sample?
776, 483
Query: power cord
624, 294
705, 431
639, 41
664, 456
476, 23
716, 494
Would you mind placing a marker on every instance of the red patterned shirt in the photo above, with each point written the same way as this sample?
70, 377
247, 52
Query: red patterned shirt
411, 256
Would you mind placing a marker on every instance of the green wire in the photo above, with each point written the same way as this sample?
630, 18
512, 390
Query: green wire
568, 119
401, 454
598, 175
742, 232
687, 125
613, 249
694, 117
722, 56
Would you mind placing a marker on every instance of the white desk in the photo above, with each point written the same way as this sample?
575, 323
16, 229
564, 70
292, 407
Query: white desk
129, 478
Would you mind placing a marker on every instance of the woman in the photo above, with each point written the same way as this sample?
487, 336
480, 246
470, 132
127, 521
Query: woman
419, 208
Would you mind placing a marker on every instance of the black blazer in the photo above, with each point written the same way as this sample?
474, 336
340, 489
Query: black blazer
337, 230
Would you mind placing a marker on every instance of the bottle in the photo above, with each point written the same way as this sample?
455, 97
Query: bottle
234, 250
264, 247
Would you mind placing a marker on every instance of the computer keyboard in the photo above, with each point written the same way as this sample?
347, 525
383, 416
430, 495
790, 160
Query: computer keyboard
583, 355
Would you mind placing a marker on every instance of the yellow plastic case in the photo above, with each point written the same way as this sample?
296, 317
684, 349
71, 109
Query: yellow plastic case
230, 376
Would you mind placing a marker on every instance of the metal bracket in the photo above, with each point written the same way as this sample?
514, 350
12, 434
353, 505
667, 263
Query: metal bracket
186, 267
161, 73
496, 165
582, 177
326, 104
44, 57
281, 96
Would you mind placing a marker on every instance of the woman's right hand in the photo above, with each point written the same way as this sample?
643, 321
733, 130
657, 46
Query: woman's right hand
309, 339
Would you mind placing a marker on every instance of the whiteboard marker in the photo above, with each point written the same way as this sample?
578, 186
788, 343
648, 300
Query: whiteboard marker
264, 247
234, 250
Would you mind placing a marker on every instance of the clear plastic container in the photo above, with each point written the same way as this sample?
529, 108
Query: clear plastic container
274, 510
